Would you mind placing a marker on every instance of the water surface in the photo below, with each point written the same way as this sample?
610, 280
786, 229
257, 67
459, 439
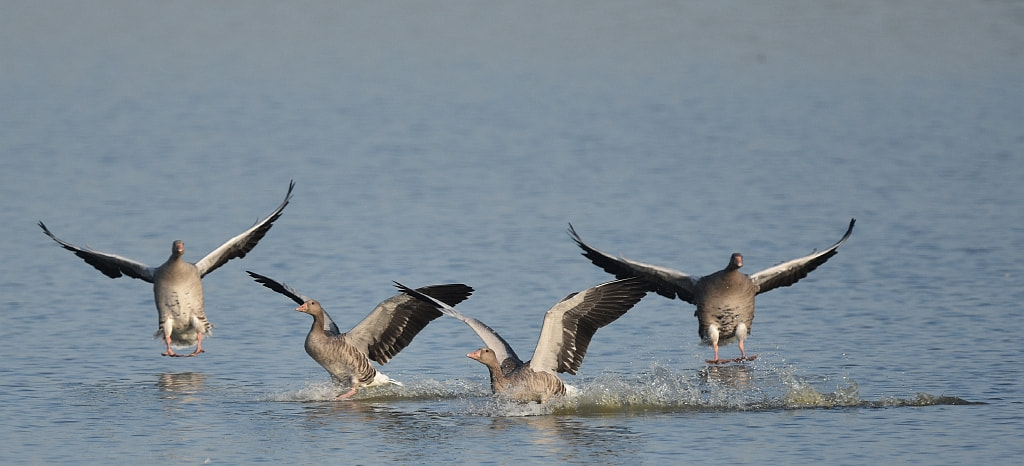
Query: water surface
454, 143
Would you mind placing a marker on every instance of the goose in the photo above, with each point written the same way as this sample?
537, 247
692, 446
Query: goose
388, 329
177, 284
564, 337
724, 299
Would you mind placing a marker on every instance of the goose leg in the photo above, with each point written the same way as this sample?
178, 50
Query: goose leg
345, 396
713, 336
199, 345
167, 339
741, 332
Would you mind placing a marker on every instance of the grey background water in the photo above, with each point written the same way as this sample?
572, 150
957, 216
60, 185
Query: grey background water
453, 142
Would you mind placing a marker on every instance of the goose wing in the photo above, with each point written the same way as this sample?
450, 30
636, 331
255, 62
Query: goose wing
391, 326
329, 325
240, 245
667, 282
570, 325
790, 272
111, 265
502, 350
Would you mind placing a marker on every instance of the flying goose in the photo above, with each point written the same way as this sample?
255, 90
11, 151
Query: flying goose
177, 284
388, 329
564, 337
724, 299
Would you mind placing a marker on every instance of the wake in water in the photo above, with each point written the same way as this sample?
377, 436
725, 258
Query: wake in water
410, 390
736, 387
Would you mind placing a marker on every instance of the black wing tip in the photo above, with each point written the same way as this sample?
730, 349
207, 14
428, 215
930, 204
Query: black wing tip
80, 252
47, 230
449, 293
277, 286
417, 294
270, 219
846, 236
446, 286
403, 288
577, 238
266, 281
603, 260
454, 287
288, 196
620, 271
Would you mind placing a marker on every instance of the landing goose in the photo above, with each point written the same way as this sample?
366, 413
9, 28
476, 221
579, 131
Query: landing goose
388, 329
564, 337
724, 299
177, 284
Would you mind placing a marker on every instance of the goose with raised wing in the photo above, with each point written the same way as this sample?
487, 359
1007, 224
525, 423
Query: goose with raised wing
724, 299
564, 338
177, 284
388, 329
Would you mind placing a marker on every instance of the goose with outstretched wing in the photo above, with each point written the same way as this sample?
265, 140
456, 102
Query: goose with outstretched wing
388, 329
564, 338
724, 299
177, 284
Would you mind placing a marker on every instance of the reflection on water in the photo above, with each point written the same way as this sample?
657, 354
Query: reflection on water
185, 387
423, 429
412, 389
181, 382
570, 430
571, 438
331, 412
736, 376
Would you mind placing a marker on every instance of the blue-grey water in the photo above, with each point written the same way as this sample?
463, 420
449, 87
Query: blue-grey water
454, 141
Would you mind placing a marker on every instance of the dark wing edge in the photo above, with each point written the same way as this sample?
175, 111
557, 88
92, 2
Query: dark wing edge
491, 339
329, 326
110, 265
662, 280
397, 320
279, 287
241, 244
790, 272
601, 306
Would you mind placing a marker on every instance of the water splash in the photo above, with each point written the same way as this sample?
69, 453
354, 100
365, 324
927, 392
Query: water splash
739, 387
